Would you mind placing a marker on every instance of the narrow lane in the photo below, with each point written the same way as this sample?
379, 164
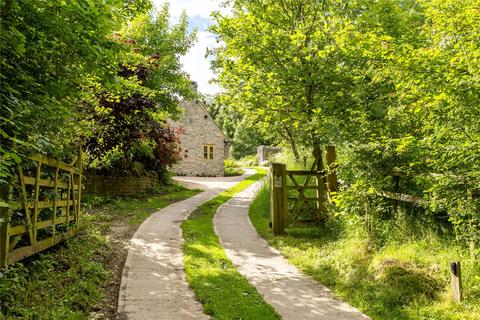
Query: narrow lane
153, 283
293, 295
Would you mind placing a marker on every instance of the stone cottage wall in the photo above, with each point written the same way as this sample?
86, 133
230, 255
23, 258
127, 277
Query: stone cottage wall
200, 129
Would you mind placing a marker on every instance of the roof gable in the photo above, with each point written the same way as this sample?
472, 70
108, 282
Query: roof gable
202, 107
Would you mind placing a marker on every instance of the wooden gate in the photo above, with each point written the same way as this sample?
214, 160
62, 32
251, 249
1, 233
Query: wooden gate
305, 197
44, 207
298, 197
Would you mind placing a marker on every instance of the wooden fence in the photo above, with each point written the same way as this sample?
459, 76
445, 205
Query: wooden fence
298, 197
44, 207
291, 191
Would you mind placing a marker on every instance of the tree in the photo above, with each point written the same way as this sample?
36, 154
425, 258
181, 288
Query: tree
295, 65
150, 84
393, 83
244, 135
48, 51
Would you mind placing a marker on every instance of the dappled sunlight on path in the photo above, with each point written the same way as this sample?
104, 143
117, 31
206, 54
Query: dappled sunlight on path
153, 282
292, 294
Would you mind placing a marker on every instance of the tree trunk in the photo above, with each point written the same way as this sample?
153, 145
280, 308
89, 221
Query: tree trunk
291, 140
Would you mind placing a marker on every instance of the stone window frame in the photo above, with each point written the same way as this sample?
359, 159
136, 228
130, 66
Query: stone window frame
208, 151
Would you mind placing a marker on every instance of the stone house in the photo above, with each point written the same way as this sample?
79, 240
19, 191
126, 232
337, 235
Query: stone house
204, 146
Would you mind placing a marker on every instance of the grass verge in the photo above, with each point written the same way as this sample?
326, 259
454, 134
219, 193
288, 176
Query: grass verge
401, 280
80, 278
223, 291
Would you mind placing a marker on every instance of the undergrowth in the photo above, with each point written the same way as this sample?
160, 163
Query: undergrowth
407, 279
232, 168
70, 280
223, 291
63, 283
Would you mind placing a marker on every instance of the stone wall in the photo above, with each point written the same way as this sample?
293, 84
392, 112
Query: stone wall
200, 129
264, 153
112, 185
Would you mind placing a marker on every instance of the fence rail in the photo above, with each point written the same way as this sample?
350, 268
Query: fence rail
402, 197
44, 207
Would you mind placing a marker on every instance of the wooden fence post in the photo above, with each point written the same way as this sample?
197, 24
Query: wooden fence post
320, 180
456, 279
278, 198
79, 165
4, 241
332, 184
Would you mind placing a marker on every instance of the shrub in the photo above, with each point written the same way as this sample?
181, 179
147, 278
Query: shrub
231, 163
248, 161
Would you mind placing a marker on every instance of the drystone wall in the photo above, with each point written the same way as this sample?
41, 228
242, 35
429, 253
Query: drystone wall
118, 185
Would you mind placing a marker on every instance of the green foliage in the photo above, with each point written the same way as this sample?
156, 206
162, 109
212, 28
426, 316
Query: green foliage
226, 117
48, 51
231, 163
149, 85
246, 140
105, 74
248, 161
393, 84
69, 280
232, 168
223, 291
288, 158
405, 278
244, 135
60, 284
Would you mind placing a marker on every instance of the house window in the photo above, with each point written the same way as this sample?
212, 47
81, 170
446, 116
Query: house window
208, 151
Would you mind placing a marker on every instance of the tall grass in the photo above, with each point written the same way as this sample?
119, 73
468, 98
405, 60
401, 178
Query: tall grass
77, 278
402, 277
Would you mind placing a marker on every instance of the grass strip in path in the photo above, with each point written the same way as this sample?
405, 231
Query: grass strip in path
223, 291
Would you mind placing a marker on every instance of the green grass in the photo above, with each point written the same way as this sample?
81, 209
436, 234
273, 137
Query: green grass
223, 291
70, 280
401, 280
230, 172
233, 168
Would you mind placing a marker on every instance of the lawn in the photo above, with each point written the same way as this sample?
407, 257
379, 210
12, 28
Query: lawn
80, 278
223, 291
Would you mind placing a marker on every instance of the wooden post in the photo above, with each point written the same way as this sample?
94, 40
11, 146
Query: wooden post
55, 200
456, 279
26, 207
278, 199
320, 180
4, 241
332, 184
36, 210
79, 165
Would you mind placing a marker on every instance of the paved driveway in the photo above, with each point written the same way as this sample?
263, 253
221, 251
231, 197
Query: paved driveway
153, 282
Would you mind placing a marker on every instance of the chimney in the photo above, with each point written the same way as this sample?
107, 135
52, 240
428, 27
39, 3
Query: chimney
194, 86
